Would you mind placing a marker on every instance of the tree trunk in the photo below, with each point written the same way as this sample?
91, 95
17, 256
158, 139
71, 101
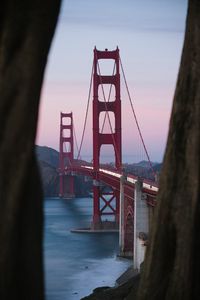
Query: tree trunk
172, 264
26, 31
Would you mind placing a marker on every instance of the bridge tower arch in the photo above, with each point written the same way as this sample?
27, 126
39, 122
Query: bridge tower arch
66, 155
128, 233
99, 138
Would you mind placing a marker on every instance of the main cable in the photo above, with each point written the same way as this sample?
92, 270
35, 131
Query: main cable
75, 137
86, 115
135, 117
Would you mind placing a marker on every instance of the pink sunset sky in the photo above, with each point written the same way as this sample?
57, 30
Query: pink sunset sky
149, 35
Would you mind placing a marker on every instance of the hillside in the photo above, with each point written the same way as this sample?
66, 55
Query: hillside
48, 155
48, 160
143, 170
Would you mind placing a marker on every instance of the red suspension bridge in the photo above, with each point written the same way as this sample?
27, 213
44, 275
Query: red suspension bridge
128, 201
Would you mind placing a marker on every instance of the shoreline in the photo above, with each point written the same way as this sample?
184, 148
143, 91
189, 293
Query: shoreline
126, 286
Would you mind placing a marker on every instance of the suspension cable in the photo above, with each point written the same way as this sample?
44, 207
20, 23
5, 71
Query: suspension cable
135, 117
75, 137
86, 115
112, 134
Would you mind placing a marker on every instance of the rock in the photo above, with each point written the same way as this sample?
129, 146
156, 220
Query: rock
101, 289
126, 291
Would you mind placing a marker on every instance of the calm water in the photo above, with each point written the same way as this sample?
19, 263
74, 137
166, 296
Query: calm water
76, 263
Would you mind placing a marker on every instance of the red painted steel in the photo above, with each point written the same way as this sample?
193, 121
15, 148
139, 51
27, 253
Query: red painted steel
66, 156
106, 200
114, 182
128, 224
110, 206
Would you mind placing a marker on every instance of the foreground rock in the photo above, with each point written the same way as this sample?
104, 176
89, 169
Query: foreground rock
126, 291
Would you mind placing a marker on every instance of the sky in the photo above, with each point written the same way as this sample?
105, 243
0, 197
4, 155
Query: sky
149, 34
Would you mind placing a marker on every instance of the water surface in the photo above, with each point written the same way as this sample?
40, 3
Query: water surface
76, 263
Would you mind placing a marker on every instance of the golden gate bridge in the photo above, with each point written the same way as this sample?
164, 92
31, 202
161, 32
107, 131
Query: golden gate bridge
129, 200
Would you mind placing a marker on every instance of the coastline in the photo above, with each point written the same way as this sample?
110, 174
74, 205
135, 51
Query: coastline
126, 288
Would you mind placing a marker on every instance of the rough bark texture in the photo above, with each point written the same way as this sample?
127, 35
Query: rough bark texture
172, 265
26, 31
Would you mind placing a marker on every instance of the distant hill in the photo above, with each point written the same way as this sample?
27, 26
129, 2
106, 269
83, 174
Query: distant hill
143, 169
145, 164
48, 155
50, 179
48, 160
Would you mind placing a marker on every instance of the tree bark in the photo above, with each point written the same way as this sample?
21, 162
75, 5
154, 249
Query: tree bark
26, 31
172, 264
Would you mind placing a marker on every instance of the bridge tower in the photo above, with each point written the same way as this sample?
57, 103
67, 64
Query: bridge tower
111, 205
66, 155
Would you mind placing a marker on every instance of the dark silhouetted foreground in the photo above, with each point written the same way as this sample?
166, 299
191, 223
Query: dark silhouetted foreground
26, 31
172, 265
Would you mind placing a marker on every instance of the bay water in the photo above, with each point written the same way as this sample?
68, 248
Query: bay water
77, 263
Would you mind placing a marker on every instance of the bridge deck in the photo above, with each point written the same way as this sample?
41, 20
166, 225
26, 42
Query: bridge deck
112, 178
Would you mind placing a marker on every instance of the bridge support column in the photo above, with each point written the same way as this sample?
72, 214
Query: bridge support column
71, 186
61, 185
141, 226
126, 225
121, 217
66, 155
103, 200
117, 199
96, 222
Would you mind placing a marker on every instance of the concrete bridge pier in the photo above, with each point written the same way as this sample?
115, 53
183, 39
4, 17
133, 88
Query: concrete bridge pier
121, 217
141, 225
133, 224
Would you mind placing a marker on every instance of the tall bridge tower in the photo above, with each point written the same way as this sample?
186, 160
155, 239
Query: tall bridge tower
66, 155
110, 200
